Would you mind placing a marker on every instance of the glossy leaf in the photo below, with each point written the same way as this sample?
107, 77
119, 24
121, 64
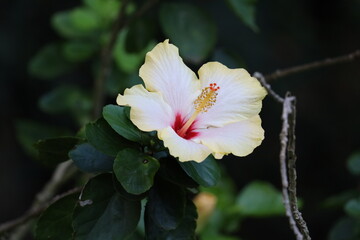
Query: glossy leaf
171, 170
206, 173
189, 28
55, 222
53, 151
353, 164
166, 205
245, 10
48, 63
89, 159
124, 194
104, 138
185, 230
116, 117
260, 199
103, 214
135, 170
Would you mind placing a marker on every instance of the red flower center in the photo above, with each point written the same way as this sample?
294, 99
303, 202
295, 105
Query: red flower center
179, 123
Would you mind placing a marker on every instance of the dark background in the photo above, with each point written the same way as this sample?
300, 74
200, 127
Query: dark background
292, 32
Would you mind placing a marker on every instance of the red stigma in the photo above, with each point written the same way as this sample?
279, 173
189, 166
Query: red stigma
213, 87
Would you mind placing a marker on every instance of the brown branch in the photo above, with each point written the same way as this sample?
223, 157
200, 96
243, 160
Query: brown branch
267, 86
61, 175
283, 167
106, 54
291, 167
314, 65
33, 213
287, 159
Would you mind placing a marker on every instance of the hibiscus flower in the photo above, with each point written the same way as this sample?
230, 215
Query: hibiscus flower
217, 113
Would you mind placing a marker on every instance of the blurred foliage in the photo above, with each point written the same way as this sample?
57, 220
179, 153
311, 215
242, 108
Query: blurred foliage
347, 227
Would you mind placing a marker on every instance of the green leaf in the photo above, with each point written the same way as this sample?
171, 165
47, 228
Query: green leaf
170, 170
78, 51
116, 117
85, 20
206, 173
129, 62
185, 230
345, 229
353, 164
48, 63
190, 29
245, 10
166, 205
89, 159
135, 170
340, 199
29, 132
124, 194
53, 151
352, 208
67, 99
260, 199
55, 222
105, 8
104, 138
62, 23
103, 214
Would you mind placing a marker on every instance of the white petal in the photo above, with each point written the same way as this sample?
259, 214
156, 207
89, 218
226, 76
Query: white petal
240, 138
185, 150
148, 111
164, 71
239, 96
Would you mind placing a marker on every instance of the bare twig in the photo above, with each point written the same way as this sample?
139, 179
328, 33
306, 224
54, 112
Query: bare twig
8, 226
291, 167
21, 226
287, 161
310, 66
267, 86
287, 141
106, 54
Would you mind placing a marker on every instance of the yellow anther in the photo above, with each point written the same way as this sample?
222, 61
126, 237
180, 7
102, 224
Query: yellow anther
203, 103
206, 99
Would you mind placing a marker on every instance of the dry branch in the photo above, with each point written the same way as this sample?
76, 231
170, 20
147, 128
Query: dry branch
311, 66
61, 175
